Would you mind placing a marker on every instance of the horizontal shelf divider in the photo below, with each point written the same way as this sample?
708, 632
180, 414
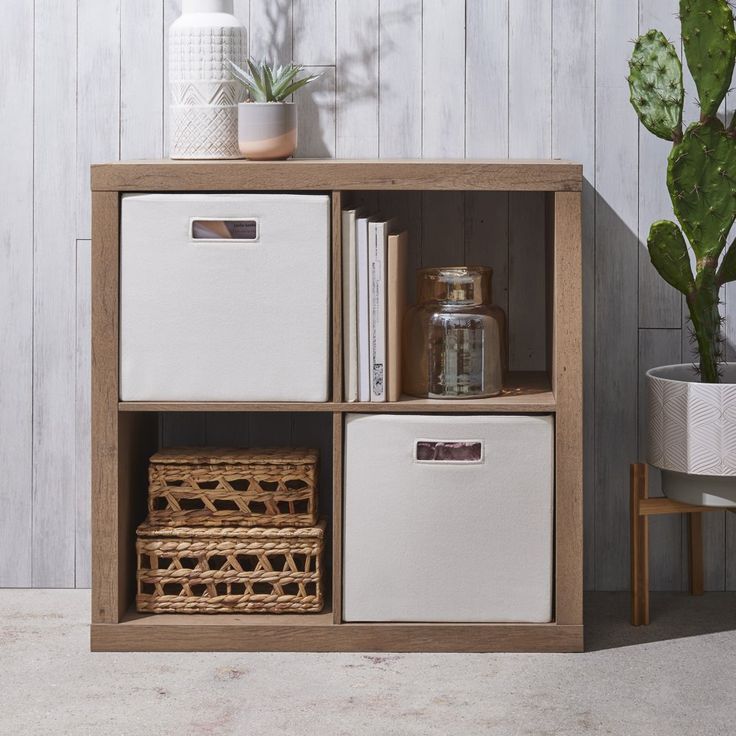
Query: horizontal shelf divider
525, 393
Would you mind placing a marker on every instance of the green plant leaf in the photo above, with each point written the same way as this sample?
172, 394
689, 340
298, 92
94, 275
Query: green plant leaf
701, 178
655, 85
299, 83
268, 83
668, 253
710, 49
282, 79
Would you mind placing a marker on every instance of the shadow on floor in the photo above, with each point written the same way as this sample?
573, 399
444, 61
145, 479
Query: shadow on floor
672, 616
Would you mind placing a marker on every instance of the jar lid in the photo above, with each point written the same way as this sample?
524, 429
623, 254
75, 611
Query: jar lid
455, 284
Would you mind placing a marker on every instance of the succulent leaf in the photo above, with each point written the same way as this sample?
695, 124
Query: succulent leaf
710, 49
701, 178
655, 83
668, 252
265, 83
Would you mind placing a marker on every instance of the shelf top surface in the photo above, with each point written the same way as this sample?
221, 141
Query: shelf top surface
339, 174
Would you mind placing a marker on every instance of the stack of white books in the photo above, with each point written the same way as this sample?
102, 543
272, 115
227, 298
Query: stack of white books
374, 300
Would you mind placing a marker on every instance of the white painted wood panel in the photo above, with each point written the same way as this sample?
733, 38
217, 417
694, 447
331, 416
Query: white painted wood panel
141, 79
357, 79
616, 318
316, 111
98, 96
401, 78
54, 308
16, 295
314, 37
443, 79
271, 31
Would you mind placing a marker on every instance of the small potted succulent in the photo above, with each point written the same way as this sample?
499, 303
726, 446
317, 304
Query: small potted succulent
692, 409
267, 123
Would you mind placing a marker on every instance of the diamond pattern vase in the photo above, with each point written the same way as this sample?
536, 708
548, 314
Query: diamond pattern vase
204, 96
692, 434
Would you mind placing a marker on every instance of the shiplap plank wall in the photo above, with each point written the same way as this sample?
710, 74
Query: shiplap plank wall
400, 78
16, 297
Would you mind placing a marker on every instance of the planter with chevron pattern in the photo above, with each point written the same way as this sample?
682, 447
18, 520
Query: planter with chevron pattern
204, 95
692, 434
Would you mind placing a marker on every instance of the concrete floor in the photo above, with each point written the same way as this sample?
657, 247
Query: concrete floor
677, 676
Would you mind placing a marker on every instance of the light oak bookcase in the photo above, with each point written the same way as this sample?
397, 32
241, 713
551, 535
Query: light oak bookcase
125, 434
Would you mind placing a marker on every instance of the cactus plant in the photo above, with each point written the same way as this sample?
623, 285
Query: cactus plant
701, 167
266, 83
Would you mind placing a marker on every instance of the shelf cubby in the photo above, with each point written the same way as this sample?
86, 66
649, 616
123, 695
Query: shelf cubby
125, 434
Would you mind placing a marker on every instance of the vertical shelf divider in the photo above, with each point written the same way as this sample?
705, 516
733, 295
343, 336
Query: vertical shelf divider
337, 515
337, 390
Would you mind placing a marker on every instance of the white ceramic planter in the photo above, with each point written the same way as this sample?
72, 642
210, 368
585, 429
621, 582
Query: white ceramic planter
204, 95
267, 130
692, 434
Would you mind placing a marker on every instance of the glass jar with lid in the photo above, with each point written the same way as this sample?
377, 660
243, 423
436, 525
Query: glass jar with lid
454, 337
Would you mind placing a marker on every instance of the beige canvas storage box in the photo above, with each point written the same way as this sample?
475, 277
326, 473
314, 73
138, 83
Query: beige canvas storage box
448, 518
224, 297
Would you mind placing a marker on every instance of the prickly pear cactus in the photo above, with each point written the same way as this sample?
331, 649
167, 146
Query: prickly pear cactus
656, 84
701, 169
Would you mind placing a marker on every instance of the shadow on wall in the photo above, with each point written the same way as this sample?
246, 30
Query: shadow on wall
357, 82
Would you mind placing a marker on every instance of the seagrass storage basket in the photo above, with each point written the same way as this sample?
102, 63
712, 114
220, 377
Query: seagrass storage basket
233, 487
229, 569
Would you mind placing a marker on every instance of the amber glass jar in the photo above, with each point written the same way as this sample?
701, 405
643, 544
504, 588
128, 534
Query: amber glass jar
454, 338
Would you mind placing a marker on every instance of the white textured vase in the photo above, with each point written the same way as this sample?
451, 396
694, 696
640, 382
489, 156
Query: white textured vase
692, 434
204, 96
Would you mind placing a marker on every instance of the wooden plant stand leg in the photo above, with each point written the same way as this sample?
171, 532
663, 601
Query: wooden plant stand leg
642, 507
639, 546
695, 552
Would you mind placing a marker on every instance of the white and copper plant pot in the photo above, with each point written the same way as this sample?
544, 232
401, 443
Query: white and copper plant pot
692, 434
267, 131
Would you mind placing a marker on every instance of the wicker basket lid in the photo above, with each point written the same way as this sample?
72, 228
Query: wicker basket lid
146, 529
236, 455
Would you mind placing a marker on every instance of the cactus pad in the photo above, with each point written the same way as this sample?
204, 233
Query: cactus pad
655, 83
710, 49
701, 177
669, 255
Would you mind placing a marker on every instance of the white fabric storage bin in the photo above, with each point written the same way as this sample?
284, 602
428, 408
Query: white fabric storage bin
448, 540
224, 297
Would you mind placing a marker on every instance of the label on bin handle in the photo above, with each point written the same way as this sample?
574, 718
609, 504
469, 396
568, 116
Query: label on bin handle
203, 228
456, 452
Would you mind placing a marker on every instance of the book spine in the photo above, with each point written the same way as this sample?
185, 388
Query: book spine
363, 304
350, 337
378, 312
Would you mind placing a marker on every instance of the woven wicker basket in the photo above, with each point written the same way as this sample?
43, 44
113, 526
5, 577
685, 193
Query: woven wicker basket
233, 487
229, 569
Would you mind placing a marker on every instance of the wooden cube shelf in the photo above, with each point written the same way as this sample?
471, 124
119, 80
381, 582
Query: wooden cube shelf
125, 434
